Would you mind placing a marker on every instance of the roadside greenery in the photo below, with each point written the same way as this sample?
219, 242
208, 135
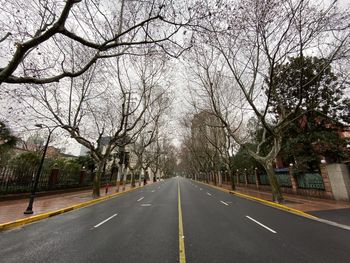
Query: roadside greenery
7, 142
315, 131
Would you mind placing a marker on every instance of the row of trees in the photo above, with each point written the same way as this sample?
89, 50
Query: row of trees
273, 62
94, 68
313, 134
99, 69
152, 153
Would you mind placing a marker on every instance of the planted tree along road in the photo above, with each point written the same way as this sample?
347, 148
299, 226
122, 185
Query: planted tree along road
144, 226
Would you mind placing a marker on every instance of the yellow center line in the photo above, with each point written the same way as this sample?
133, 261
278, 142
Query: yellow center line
182, 255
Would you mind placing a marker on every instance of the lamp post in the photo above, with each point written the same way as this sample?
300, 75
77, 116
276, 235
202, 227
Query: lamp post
29, 209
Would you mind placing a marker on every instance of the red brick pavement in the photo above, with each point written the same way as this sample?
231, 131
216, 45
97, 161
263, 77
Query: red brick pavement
13, 209
302, 203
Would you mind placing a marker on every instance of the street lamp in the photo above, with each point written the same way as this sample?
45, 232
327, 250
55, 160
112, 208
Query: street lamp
29, 209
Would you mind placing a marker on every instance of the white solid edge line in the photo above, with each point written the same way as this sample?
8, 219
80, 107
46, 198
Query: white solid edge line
104, 221
140, 199
224, 203
145, 204
271, 230
346, 227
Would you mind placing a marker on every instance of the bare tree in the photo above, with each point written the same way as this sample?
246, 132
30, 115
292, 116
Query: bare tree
207, 147
35, 34
105, 108
148, 137
246, 42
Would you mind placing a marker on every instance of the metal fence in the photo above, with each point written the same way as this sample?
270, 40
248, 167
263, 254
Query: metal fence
20, 178
283, 179
264, 179
304, 180
241, 179
309, 181
251, 178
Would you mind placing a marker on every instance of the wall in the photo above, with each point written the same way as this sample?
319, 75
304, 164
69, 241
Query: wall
340, 181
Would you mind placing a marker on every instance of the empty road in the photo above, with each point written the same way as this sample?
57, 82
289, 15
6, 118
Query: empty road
145, 226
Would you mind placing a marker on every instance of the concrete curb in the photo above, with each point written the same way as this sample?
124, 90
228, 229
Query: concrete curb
273, 204
24, 221
259, 200
279, 206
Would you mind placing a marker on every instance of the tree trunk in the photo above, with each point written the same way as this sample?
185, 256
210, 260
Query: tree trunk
132, 179
275, 188
120, 172
233, 185
97, 179
124, 177
140, 175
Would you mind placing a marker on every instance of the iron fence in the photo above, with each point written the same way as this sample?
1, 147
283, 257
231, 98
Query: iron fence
283, 179
264, 179
309, 180
241, 179
20, 179
251, 178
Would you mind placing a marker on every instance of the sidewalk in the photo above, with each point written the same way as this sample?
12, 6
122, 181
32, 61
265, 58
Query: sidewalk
337, 211
303, 203
13, 209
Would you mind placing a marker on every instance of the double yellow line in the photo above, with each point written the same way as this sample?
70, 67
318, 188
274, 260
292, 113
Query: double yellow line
182, 255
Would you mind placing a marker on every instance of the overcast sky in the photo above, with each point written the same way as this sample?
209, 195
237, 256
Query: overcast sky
179, 88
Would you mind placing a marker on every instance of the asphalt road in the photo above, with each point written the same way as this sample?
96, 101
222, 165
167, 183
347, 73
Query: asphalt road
143, 226
341, 216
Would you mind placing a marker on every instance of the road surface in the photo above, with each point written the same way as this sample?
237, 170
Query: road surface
143, 226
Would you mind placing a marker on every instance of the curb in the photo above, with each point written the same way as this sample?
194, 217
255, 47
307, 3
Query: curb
24, 221
273, 204
280, 207
269, 203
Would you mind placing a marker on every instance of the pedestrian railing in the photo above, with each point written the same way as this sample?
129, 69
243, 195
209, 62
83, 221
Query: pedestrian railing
20, 179
310, 181
284, 179
264, 179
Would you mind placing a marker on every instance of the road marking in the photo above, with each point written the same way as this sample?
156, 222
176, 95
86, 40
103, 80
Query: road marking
271, 230
200, 189
140, 199
182, 255
224, 203
104, 221
153, 191
145, 204
209, 194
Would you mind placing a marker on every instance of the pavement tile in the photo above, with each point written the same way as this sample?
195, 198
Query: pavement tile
302, 203
11, 210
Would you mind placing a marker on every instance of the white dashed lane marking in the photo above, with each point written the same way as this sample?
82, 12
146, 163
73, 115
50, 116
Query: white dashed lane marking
104, 221
260, 224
